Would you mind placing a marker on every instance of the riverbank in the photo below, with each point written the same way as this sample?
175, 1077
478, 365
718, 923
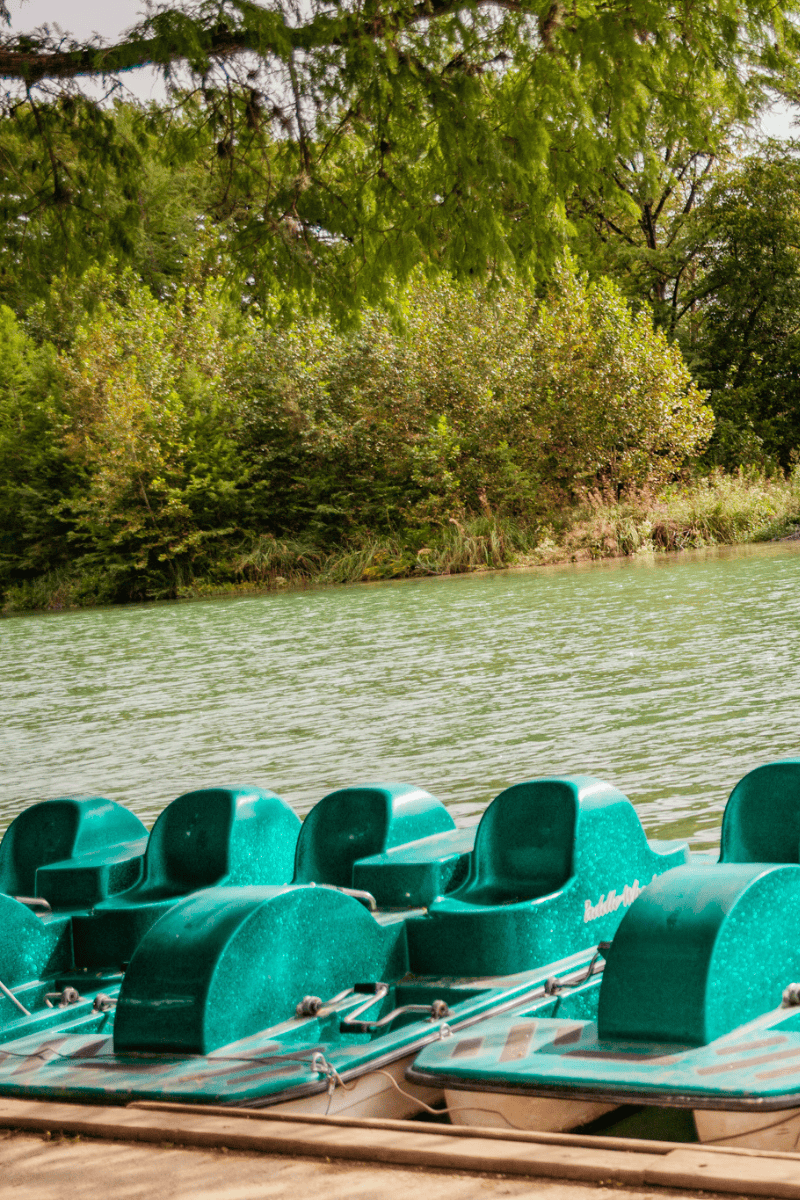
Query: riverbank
713, 510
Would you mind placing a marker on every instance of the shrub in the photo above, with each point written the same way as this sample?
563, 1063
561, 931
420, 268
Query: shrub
152, 423
616, 400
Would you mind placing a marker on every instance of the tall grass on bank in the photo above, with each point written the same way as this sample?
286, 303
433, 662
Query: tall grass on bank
715, 510
718, 509
482, 543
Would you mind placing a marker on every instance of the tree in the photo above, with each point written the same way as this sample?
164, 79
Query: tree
151, 422
744, 342
353, 141
128, 195
639, 221
483, 403
33, 539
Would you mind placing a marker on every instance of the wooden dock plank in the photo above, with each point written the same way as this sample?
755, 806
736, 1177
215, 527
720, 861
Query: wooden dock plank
411, 1144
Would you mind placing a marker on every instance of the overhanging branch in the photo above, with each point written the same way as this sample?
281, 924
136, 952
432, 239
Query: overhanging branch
170, 38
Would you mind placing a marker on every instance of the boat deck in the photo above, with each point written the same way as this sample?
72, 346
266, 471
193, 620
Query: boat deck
177, 1151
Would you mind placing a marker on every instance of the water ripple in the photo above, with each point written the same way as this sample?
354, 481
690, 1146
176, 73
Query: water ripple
670, 678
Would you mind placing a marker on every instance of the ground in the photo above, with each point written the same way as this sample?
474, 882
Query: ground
35, 1167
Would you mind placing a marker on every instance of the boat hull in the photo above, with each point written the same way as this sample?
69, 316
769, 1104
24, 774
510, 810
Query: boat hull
506, 1111
750, 1130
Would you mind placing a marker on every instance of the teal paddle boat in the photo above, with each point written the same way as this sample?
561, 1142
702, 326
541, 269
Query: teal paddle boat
67, 864
699, 1005
317, 993
81, 881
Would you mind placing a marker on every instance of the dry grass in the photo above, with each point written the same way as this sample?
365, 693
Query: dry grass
715, 510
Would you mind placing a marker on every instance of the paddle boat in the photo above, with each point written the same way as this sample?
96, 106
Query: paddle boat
63, 854
66, 865
82, 881
315, 995
698, 1004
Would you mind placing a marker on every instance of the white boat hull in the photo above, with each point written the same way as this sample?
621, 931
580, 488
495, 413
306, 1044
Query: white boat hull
371, 1095
753, 1130
501, 1110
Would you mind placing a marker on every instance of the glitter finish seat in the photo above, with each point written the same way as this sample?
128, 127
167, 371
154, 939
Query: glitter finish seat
556, 863
208, 838
762, 817
393, 840
73, 851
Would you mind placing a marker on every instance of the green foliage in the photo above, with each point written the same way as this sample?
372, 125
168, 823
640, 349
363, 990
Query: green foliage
718, 509
346, 146
35, 469
641, 222
81, 185
197, 443
152, 426
479, 404
744, 339
618, 402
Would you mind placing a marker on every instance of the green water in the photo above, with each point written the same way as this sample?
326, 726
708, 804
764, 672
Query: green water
670, 678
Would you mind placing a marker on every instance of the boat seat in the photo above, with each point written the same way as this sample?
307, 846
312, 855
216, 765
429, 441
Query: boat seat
762, 817
73, 851
524, 845
214, 837
242, 959
706, 949
556, 862
347, 839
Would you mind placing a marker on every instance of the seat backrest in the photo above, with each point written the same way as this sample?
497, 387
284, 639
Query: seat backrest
762, 816
705, 948
220, 836
525, 843
188, 846
61, 829
356, 822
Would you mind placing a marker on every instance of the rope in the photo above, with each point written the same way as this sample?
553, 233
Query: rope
449, 1109
7, 992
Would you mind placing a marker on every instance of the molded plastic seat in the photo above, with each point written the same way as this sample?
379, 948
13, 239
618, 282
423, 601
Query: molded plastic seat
519, 858
213, 837
241, 959
707, 949
72, 851
556, 862
762, 816
360, 823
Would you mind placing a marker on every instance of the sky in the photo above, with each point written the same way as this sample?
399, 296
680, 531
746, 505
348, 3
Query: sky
82, 18
109, 18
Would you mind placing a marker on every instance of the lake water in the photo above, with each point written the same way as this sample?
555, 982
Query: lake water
669, 677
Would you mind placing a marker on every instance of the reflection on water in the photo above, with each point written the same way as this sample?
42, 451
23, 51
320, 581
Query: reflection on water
670, 678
